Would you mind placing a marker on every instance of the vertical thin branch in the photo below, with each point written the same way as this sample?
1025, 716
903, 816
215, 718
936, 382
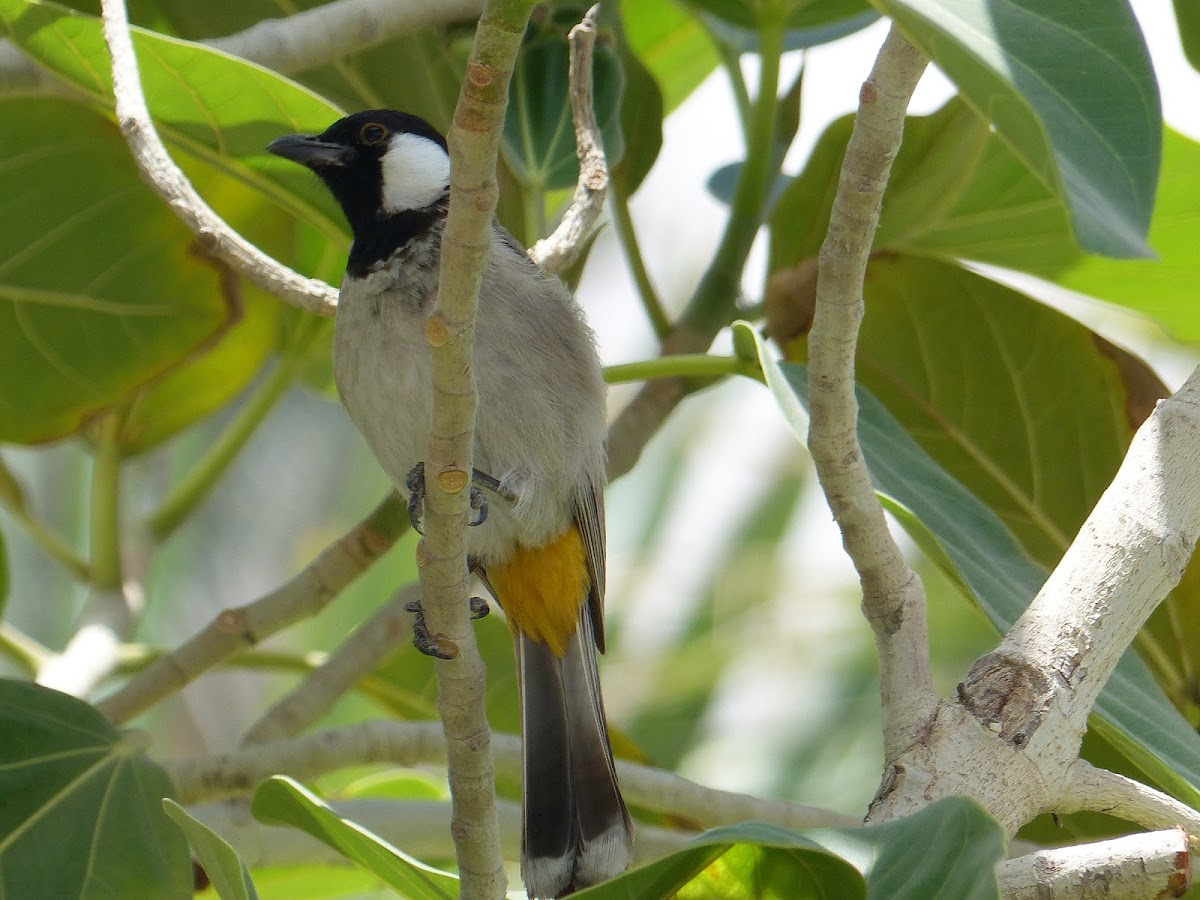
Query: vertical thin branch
474, 140
557, 252
893, 597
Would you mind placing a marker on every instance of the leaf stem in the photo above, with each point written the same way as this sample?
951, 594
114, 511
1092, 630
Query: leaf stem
22, 649
731, 59
682, 365
53, 544
712, 305
106, 505
196, 485
637, 265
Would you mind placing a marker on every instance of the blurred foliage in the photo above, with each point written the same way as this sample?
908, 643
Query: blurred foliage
991, 421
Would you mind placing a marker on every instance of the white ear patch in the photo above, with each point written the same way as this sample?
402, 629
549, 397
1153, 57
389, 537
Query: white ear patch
415, 173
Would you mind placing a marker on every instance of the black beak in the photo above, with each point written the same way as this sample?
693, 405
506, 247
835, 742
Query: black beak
309, 150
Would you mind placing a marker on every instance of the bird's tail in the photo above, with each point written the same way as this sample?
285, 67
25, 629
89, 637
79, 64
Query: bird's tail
575, 827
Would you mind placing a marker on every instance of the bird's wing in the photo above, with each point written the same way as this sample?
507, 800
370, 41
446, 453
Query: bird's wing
589, 514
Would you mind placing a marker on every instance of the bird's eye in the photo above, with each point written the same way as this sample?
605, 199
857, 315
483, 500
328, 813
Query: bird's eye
372, 133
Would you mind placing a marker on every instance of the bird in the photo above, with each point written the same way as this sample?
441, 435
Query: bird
539, 452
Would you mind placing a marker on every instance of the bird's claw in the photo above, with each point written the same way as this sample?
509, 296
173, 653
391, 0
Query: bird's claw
479, 608
480, 505
429, 644
415, 482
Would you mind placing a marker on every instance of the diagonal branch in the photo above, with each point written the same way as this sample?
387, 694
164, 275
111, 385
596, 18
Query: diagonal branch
160, 172
893, 597
304, 595
358, 655
296, 43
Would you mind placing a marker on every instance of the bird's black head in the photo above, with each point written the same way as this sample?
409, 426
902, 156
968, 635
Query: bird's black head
389, 171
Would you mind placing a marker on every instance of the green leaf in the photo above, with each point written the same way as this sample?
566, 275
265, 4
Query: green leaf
220, 861
1032, 68
1165, 289
674, 46
956, 190
219, 108
809, 24
314, 882
82, 813
281, 801
1132, 712
1021, 388
99, 293
641, 120
752, 861
948, 849
539, 136
1187, 17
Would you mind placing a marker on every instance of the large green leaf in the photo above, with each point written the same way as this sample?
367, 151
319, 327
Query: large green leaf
752, 861
956, 190
539, 135
673, 45
3, 565
313, 882
82, 813
219, 108
1019, 389
948, 849
282, 801
99, 292
1132, 712
1187, 15
806, 23
1033, 68
220, 861
1165, 288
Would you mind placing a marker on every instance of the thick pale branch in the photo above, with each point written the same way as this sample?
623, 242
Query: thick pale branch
1137, 867
236, 773
893, 598
557, 252
1040, 684
169, 182
358, 655
304, 595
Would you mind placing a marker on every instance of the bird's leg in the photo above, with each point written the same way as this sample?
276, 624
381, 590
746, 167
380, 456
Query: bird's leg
428, 643
415, 482
422, 639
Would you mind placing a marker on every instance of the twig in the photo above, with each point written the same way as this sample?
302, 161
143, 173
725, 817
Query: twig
1097, 790
1136, 867
235, 774
474, 142
557, 252
160, 172
301, 41
893, 597
369, 644
304, 595
420, 828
